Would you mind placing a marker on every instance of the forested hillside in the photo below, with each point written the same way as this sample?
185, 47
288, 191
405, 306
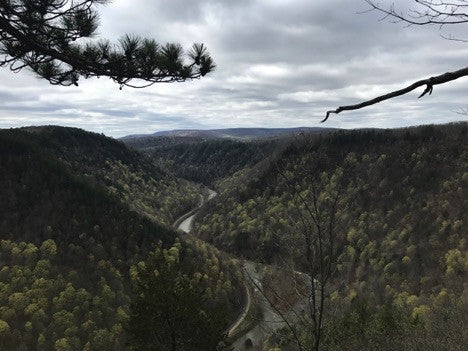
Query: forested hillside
400, 229
204, 161
74, 254
145, 186
89, 261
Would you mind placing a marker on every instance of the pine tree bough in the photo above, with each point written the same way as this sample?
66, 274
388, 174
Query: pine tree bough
429, 83
47, 37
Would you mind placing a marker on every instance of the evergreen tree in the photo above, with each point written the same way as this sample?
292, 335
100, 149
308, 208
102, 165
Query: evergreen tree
43, 36
171, 312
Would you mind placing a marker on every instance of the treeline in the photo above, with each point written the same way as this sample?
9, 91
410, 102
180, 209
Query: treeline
400, 225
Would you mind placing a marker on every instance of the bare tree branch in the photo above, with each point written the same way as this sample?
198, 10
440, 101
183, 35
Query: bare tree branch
426, 12
429, 83
281, 314
436, 12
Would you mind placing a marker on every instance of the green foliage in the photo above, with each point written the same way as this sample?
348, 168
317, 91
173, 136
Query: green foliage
79, 236
173, 309
102, 164
161, 200
48, 302
69, 248
362, 324
400, 237
45, 306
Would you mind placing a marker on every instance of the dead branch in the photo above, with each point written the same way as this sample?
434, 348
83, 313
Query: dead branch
429, 83
428, 12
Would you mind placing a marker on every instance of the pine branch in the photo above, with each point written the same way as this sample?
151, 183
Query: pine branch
43, 36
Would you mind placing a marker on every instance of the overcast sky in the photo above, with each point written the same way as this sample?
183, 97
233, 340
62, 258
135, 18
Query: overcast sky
280, 63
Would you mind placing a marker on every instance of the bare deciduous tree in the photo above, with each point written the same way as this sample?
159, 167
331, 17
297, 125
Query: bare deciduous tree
313, 221
424, 12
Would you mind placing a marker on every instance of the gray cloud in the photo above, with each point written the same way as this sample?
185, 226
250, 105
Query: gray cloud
280, 63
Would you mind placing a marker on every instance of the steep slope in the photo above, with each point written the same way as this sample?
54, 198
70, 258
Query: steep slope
400, 223
70, 249
208, 161
45, 198
141, 183
67, 246
207, 156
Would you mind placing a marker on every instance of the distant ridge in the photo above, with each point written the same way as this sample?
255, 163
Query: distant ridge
231, 133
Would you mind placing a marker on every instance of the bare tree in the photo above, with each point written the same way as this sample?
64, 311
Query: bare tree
313, 223
47, 36
438, 12
424, 12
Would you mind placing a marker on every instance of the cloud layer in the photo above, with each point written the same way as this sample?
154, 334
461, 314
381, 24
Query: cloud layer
280, 64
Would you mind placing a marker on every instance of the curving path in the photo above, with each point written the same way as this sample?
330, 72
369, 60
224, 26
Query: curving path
270, 321
185, 224
243, 315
